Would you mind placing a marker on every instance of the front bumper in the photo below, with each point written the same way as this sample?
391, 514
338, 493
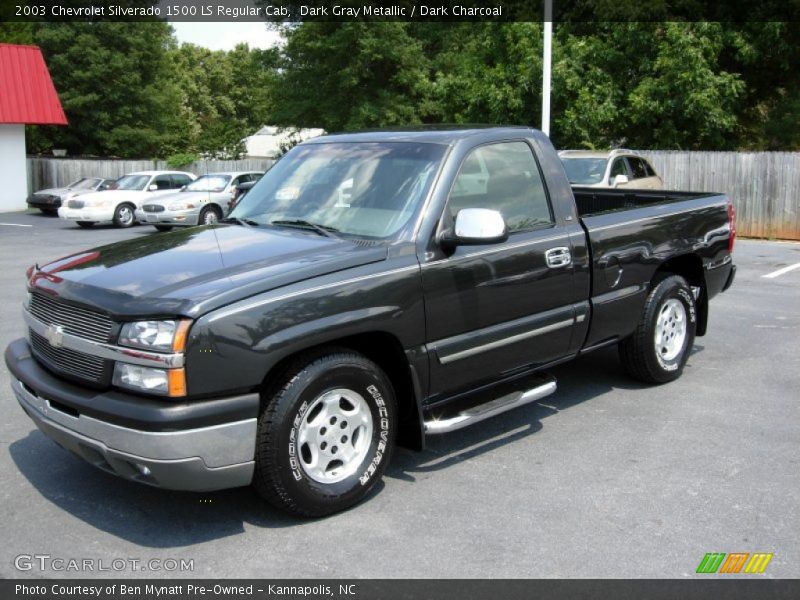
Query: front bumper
36, 201
90, 214
176, 218
200, 446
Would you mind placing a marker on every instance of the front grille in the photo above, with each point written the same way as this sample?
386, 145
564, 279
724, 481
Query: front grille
153, 208
81, 322
69, 362
75, 204
44, 198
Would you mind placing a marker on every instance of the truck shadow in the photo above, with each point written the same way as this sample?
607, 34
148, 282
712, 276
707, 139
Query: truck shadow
158, 518
582, 379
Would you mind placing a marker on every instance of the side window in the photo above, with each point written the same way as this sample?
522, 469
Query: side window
637, 166
651, 172
163, 182
503, 177
178, 180
618, 168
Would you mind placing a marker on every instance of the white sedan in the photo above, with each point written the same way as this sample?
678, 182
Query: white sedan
119, 203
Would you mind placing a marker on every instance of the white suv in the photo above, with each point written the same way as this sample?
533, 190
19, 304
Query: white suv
610, 169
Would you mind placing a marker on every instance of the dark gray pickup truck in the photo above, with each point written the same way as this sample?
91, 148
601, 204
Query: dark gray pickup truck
371, 289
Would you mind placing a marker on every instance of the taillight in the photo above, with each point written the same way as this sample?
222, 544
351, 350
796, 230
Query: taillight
732, 219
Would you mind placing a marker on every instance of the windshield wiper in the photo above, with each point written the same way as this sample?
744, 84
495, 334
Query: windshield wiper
324, 230
238, 221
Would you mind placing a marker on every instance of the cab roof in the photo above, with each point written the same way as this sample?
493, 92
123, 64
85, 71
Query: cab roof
439, 134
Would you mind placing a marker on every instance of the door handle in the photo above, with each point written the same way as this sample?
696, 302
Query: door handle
558, 257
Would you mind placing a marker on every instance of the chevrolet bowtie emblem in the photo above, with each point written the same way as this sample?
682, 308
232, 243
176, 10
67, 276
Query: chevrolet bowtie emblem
55, 335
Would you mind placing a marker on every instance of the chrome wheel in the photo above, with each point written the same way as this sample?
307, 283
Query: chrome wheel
210, 217
124, 216
670, 332
334, 435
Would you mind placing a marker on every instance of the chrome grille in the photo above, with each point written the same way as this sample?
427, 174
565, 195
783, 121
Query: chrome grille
68, 361
75, 204
81, 322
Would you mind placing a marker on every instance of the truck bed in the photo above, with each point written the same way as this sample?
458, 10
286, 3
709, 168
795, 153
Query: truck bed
594, 201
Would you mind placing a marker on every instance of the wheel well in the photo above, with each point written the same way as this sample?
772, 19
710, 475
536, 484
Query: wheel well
385, 350
212, 206
690, 267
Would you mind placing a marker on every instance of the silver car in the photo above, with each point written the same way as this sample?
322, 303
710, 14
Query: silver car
203, 202
610, 169
50, 200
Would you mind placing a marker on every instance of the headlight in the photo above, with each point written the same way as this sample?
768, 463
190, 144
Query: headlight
161, 336
163, 382
181, 206
97, 203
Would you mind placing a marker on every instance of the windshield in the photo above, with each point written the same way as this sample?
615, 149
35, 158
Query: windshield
130, 182
585, 170
87, 183
366, 189
209, 183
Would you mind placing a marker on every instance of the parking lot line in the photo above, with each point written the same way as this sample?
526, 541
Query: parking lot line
780, 272
15, 225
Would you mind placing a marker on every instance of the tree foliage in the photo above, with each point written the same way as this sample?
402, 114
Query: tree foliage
130, 90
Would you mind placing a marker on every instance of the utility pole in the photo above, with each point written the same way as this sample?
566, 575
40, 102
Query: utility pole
547, 59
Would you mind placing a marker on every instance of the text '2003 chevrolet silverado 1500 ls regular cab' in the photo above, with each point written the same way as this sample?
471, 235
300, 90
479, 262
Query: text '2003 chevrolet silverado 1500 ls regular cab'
371, 288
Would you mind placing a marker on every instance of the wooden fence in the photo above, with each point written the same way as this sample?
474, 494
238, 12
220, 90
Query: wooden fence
56, 172
764, 186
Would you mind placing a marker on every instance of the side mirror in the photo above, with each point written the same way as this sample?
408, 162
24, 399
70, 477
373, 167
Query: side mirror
619, 180
475, 226
152, 187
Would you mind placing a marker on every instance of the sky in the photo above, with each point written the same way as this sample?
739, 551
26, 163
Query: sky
224, 36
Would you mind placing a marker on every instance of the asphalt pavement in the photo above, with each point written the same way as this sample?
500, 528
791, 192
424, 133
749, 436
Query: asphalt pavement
607, 478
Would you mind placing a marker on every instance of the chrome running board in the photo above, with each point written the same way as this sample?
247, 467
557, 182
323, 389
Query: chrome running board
490, 409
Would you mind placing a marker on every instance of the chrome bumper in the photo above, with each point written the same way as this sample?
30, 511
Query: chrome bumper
201, 459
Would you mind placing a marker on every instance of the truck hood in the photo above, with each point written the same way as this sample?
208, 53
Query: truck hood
197, 269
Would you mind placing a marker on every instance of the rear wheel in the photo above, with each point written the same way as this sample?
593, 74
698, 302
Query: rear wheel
325, 434
85, 224
659, 348
208, 216
123, 215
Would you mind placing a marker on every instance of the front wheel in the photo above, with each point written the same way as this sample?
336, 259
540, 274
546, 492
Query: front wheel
123, 216
659, 348
208, 216
325, 434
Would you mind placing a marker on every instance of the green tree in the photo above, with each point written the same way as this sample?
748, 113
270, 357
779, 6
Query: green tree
226, 94
116, 87
344, 76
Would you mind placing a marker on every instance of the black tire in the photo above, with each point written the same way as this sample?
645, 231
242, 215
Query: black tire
123, 215
163, 227
208, 216
656, 358
85, 224
283, 473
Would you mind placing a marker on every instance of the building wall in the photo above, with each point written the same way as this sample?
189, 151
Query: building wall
13, 167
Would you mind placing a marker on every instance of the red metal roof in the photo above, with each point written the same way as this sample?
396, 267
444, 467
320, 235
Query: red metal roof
27, 94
